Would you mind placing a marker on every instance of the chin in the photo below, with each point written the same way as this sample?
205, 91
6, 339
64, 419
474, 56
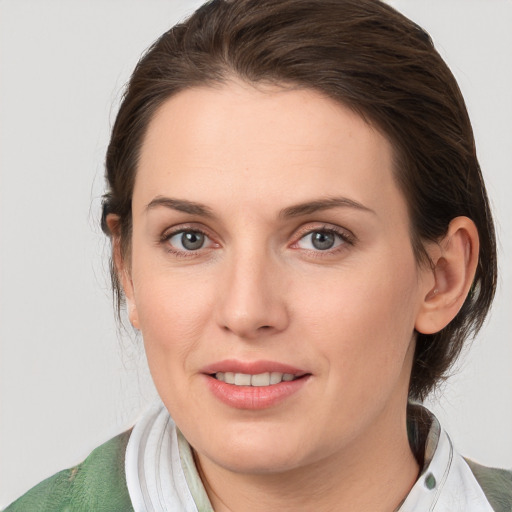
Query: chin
256, 463
253, 452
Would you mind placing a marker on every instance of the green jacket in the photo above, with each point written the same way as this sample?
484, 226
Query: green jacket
99, 485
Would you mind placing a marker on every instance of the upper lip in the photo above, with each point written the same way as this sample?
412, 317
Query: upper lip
251, 367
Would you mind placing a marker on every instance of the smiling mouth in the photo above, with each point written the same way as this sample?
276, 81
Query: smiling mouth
258, 380
253, 388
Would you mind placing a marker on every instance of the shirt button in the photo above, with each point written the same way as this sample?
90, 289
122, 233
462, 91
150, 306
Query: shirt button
430, 481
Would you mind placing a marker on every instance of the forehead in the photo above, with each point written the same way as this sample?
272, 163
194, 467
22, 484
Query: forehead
259, 142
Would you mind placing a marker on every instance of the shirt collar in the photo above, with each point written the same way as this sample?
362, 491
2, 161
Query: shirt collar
445, 483
161, 474
155, 470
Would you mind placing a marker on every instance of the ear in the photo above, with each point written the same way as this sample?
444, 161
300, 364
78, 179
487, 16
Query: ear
122, 268
455, 259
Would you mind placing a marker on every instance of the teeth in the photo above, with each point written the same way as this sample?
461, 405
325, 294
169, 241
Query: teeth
242, 379
259, 380
275, 377
262, 379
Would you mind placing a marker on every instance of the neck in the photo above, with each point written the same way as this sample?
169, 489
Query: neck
373, 474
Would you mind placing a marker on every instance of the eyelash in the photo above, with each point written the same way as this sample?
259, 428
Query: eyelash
167, 235
345, 236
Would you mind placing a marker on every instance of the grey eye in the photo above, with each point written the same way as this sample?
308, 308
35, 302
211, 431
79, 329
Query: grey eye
322, 240
188, 240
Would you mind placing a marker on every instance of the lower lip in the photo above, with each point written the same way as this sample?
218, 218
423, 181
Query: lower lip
254, 397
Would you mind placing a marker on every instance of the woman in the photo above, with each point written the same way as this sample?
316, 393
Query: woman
302, 236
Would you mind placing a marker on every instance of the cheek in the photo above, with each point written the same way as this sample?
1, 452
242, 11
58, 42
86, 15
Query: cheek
363, 321
172, 320
172, 311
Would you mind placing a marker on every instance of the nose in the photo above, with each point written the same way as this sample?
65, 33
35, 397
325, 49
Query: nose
251, 302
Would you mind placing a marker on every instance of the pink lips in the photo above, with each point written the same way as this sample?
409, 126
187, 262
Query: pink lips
251, 367
253, 397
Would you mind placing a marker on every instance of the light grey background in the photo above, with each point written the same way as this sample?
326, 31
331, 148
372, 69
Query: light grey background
67, 381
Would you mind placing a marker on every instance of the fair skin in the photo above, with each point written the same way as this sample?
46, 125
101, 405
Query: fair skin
269, 235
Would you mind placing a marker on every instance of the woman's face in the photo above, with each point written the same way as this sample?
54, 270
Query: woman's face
271, 246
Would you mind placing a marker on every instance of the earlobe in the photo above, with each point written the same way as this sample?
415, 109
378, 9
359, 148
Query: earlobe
122, 269
455, 259
127, 284
132, 313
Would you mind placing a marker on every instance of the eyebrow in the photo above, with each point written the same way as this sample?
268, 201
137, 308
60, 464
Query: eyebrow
322, 204
181, 205
193, 208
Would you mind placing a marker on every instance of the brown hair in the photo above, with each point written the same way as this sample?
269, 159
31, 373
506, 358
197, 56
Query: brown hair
363, 54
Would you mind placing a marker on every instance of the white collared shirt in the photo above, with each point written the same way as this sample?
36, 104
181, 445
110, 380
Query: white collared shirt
161, 475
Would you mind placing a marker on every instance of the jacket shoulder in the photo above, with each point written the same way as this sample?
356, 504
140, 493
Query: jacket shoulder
496, 484
98, 484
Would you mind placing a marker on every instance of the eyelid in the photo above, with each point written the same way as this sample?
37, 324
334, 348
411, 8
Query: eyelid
346, 235
182, 228
308, 228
